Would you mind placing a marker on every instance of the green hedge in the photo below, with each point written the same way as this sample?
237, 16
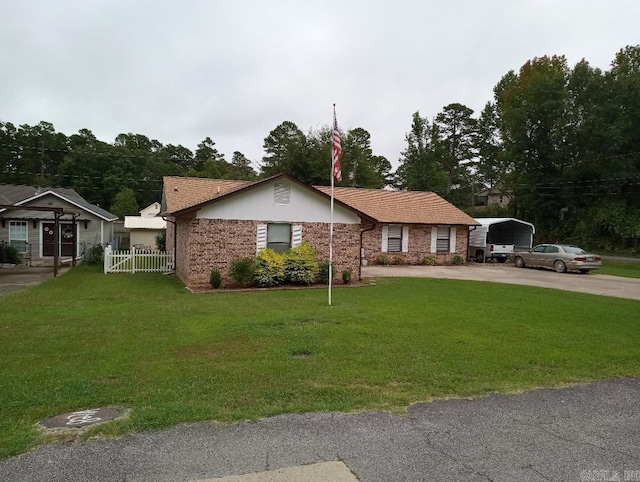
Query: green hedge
269, 268
301, 265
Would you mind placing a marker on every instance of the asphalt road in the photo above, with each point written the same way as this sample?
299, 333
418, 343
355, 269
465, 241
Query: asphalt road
585, 432
593, 283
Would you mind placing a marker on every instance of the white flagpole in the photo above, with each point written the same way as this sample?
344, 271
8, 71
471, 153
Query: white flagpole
331, 228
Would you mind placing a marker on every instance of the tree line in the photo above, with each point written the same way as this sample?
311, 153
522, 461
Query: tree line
563, 141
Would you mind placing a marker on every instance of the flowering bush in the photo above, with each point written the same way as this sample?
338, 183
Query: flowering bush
301, 265
269, 268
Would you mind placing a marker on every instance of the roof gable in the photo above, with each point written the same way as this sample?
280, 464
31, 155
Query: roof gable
20, 195
180, 193
182, 190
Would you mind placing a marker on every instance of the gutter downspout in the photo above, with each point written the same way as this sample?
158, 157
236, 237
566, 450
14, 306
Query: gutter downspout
362, 231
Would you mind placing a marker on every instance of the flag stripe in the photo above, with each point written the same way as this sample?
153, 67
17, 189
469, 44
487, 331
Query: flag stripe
337, 149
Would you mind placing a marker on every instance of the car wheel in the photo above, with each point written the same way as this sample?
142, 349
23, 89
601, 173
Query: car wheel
479, 256
502, 260
518, 262
584, 271
559, 266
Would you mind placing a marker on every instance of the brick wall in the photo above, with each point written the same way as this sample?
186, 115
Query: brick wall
419, 246
207, 244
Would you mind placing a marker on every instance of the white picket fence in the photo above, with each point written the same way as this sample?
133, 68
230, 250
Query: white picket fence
138, 261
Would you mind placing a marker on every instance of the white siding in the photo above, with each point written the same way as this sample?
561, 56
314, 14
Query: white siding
259, 204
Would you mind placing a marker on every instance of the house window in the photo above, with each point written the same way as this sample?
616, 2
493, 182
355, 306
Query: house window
18, 235
442, 241
279, 236
394, 238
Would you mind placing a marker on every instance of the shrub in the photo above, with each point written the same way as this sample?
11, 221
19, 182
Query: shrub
428, 261
215, 279
93, 255
382, 259
161, 241
458, 260
323, 274
269, 268
346, 276
301, 265
398, 260
243, 271
9, 254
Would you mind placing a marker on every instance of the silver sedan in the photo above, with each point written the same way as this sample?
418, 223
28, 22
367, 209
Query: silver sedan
560, 257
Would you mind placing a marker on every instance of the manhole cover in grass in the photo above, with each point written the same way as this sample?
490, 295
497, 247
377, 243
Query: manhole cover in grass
82, 418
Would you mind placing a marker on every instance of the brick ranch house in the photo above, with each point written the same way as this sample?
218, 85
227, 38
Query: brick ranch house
211, 222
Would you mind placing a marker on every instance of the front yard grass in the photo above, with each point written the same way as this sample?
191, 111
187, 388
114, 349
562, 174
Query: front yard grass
143, 342
619, 268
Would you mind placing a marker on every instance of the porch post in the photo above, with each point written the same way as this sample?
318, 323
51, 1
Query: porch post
56, 243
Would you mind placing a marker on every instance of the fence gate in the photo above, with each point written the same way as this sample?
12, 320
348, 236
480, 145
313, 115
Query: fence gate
138, 261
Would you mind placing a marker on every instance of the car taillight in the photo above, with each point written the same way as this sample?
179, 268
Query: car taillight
580, 258
598, 258
491, 247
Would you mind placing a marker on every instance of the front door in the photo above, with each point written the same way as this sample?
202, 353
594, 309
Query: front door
67, 237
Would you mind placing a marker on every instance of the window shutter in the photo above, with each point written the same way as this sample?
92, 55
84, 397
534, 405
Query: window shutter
405, 239
452, 239
261, 241
296, 236
385, 239
434, 238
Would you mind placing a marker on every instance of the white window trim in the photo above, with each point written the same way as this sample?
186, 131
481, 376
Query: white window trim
434, 239
385, 239
261, 236
26, 233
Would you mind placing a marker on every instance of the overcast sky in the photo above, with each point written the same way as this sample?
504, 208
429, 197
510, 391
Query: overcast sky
235, 69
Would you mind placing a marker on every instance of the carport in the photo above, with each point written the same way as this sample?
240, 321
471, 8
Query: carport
500, 231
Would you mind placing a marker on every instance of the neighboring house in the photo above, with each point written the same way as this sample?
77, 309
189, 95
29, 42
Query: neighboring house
212, 222
143, 229
31, 231
495, 196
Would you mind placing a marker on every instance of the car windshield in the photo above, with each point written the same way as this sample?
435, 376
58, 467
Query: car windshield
573, 250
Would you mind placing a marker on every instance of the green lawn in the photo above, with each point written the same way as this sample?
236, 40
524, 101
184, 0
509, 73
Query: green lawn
143, 342
617, 268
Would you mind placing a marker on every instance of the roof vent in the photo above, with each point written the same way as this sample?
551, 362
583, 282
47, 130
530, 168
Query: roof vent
281, 194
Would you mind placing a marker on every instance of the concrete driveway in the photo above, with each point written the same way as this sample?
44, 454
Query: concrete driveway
598, 284
20, 277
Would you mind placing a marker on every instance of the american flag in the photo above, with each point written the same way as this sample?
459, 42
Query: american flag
336, 149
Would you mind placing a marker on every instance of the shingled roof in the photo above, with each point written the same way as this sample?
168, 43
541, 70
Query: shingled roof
401, 207
18, 194
183, 192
